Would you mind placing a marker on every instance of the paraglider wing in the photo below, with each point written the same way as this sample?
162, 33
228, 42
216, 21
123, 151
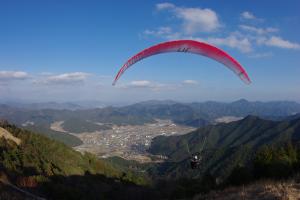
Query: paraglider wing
188, 46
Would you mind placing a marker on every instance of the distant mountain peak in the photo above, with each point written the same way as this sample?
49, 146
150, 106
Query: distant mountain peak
252, 117
241, 101
157, 102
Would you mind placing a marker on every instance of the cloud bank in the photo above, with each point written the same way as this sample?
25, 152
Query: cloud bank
66, 78
13, 75
195, 23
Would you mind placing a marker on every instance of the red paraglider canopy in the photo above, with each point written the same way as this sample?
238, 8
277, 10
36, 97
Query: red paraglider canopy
188, 46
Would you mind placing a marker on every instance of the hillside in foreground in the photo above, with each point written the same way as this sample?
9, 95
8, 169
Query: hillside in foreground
47, 168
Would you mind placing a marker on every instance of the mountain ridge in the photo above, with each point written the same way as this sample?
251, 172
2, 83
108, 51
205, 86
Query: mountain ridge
227, 144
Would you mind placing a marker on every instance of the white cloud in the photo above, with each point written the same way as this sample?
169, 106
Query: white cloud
163, 6
160, 31
281, 43
198, 20
66, 78
142, 83
190, 82
247, 15
243, 44
258, 30
260, 40
250, 16
145, 84
136, 84
193, 19
13, 75
163, 32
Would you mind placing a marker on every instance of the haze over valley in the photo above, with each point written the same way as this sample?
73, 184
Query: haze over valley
127, 131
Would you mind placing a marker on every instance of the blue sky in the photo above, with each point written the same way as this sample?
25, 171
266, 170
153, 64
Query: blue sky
71, 50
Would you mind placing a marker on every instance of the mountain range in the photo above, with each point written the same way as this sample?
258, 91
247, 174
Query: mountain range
39, 117
227, 145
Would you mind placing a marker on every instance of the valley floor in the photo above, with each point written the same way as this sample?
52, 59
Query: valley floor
127, 141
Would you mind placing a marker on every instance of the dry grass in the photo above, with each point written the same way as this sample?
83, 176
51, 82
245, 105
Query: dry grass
262, 190
8, 136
